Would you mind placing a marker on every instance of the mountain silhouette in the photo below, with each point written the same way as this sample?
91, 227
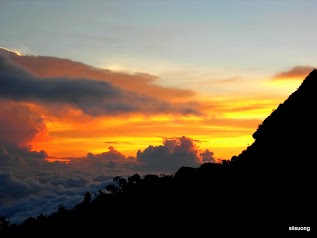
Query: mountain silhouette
286, 137
281, 159
265, 189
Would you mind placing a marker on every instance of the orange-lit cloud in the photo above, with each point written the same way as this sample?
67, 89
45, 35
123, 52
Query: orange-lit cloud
52, 67
91, 96
111, 154
297, 72
19, 125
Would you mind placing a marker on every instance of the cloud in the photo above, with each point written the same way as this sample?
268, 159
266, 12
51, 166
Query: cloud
25, 193
297, 72
16, 155
174, 153
19, 125
110, 159
11, 188
33, 206
53, 67
112, 154
208, 156
20, 128
71, 182
93, 97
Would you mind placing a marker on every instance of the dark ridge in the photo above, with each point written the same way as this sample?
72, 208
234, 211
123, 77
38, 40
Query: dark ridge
264, 190
284, 142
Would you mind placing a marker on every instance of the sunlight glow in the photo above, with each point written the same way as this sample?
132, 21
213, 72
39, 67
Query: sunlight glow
12, 51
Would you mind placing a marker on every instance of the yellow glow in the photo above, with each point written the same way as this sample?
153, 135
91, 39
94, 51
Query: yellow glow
226, 133
226, 147
255, 113
128, 135
226, 127
284, 86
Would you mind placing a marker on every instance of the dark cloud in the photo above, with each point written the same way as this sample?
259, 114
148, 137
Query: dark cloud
297, 72
47, 199
112, 154
174, 153
110, 159
33, 206
71, 182
111, 142
53, 67
22, 196
11, 188
93, 97
208, 157
101, 178
13, 155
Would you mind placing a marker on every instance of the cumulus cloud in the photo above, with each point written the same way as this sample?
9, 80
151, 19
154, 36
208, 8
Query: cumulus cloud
93, 97
111, 159
208, 157
297, 72
19, 125
16, 155
112, 154
174, 153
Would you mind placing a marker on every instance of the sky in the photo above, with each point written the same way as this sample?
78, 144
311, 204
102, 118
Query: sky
94, 89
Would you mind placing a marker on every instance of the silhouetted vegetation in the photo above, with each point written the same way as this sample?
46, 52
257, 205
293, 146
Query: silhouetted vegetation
268, 187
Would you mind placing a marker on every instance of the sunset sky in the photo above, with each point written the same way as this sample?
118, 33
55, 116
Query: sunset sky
138, 85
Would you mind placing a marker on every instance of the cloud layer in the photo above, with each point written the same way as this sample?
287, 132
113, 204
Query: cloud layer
53, 67
43, 193
30, 186
91, 96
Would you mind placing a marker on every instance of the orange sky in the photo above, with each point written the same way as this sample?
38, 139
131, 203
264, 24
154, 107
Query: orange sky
225, 129
227, 133
224, 121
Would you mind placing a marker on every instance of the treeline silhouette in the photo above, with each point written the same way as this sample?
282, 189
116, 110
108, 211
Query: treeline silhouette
189, 199
267, 188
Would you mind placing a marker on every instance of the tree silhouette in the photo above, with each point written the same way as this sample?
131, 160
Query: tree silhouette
4, 223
